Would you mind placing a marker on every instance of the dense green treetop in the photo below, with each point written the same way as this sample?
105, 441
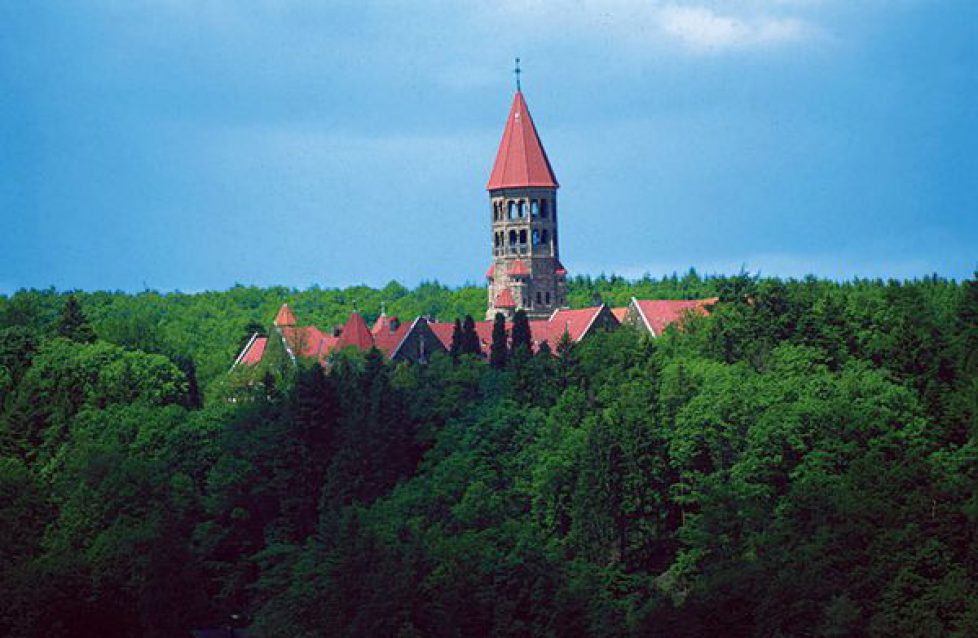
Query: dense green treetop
802, 462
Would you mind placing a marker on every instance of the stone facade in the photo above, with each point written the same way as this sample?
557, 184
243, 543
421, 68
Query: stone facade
525, 252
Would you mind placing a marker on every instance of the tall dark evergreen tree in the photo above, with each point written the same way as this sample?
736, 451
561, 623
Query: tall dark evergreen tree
456, 348
500, 351
522, 339
470, 338
73, 324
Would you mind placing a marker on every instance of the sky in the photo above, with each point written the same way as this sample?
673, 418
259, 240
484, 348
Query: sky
189, 145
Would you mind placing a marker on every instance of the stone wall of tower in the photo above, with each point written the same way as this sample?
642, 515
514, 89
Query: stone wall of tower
524, 228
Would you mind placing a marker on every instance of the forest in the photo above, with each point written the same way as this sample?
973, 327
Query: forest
802, 462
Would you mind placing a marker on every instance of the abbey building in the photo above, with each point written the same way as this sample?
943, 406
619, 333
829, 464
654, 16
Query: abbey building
525, 273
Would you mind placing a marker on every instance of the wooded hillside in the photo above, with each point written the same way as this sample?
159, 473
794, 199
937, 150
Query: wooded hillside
803, 462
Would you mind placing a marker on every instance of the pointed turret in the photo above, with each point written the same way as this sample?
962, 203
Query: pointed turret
355, 333
521, 161
285, 317
523, 193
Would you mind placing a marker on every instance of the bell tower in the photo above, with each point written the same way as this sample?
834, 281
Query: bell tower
526, 271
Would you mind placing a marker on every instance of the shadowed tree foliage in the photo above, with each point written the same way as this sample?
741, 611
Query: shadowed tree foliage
73, 324
522, 345
802, 462
456, 348
470, 338
499, 350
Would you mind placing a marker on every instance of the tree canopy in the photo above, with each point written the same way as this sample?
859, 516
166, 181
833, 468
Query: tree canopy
803, 461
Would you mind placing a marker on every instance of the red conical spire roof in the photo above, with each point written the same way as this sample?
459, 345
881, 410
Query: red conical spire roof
505, 299
355, 333
285, 316
521, 161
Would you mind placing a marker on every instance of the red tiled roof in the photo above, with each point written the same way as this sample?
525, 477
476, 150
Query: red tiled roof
443, 331
355, 333
304, 341
388, 339
519, 269
657, 314
253, 354
285, 316
620, 313
505, 299
521, 160
483, 329
383, 323
491, 271
540, 332
379, 324
574, 322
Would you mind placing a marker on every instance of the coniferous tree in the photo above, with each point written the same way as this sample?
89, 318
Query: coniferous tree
456, 348
470, 338
73, 324
521, 335
567, 360
544, 350
499, 352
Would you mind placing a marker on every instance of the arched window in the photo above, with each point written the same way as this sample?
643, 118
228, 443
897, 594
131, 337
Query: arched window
544, 208
548, 298
535, 236
496, 240
523, 238
521, 211
512, 209
534, 208
512, 238
539, 297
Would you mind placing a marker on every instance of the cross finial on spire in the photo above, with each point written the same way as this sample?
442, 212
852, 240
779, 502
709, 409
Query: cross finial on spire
517, 71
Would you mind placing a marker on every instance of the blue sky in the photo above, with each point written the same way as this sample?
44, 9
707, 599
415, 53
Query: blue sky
186, 145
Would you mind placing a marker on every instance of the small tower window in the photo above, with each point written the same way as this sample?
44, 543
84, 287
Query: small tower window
536, 237
544, 236
539, 297
544, 208
548, 298
523, 239
512, 210
534, 209
520, 209
512, 241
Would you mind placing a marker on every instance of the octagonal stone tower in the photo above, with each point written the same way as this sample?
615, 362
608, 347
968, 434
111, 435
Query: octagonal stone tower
526, 271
